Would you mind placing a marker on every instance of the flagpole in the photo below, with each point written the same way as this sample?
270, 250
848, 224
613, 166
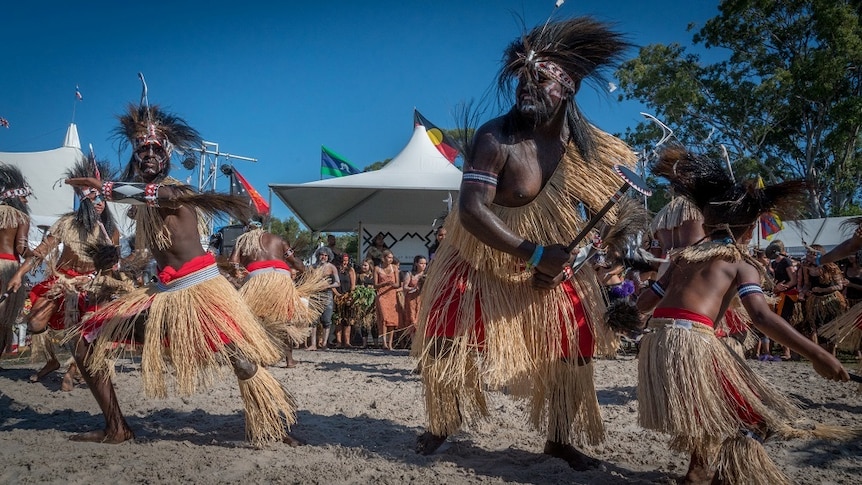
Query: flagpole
269, 226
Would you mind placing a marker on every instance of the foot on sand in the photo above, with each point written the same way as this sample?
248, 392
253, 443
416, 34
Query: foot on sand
50, 367
428, 443
102, 436
570, 455
291, 441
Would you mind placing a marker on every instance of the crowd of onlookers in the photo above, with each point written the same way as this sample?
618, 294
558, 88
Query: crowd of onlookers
375, 303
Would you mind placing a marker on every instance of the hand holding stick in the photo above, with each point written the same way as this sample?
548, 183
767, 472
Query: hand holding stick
630, 179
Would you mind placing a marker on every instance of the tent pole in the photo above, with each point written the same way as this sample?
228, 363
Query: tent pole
359, 246
269, 226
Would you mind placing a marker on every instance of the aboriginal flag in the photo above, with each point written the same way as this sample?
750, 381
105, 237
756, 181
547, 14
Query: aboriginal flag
447, 146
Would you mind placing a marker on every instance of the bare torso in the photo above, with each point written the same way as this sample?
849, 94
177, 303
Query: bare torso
705, 287
13, 240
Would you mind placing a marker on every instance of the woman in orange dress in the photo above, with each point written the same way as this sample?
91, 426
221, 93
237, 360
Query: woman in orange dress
386, 282
412, 288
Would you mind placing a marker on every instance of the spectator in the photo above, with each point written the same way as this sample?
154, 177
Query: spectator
375, 252
386, 282
324, 256
343, 303
412, 290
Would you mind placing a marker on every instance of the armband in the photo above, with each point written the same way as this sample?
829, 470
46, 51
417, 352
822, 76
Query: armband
480, 177
132, 193
747, 289
657, 288
536, 257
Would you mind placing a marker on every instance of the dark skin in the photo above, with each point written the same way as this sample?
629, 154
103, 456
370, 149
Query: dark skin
182, 222
13, 240
522, 167
272, 248
842, 250
707, 288
44, 308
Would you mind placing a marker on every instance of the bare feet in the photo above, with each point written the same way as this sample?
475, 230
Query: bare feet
289, 364
698, 472
428, 443
568, 453
50, 367
102, 436
291, 441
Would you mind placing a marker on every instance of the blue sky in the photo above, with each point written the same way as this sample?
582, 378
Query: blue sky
276, 81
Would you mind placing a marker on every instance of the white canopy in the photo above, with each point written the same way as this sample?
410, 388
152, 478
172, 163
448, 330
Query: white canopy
43, 170
411, 189
826, 232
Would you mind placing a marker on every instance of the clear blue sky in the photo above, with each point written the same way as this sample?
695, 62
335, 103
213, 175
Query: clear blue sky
276, 81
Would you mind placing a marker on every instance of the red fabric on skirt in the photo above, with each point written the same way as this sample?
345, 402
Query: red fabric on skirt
443, 316
57, 320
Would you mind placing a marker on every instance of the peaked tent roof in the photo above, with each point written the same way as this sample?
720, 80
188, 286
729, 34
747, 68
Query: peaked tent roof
43, 170
827, 232
411, 189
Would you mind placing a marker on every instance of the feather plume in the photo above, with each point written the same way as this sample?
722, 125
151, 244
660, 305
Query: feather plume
581, 47
104, 256
11, 178
174, 128
622, 316
626, 235
86, 214
213, 204
706, 182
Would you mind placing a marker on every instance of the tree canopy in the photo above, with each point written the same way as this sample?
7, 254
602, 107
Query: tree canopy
778, 84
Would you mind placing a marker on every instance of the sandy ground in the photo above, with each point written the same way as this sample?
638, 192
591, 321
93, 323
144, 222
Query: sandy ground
360, 413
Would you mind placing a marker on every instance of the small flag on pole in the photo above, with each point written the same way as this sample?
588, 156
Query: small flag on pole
335, 165
447, 146
4, 122
78, 95
770, 224
241, 187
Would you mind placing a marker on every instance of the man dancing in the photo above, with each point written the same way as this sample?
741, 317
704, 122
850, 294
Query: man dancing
14, 228
690, 385
74, 285
284, 308
192, 309
498, 285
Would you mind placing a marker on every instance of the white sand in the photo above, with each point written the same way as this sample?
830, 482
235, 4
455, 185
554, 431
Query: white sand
360, 413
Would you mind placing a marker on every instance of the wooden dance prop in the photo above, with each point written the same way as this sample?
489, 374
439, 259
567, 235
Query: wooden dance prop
630, 179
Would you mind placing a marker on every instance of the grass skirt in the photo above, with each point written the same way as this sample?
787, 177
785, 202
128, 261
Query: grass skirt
694, 388
285, 309
845, 331
197, 330
822, 309
269, 409
501, 332
11, 308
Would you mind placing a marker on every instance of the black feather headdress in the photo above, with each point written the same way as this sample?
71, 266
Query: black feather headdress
141, 125
13, 186
569, 51
86, 214
728, 206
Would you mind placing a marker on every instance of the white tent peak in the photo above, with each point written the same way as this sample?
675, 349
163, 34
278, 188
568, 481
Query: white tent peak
420, 154
72, 140
410, 189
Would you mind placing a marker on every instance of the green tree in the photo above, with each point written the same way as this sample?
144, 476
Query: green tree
784, 95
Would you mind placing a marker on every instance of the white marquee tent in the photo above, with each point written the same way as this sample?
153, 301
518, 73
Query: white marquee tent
827, 232
44, 172
402, 199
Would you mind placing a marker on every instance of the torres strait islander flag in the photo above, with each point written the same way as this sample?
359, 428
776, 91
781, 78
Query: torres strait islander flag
335, 165
447, 146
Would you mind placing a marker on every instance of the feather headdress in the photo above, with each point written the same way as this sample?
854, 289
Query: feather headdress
726, 204
567, 51
13, 186
150, 125
86, 214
